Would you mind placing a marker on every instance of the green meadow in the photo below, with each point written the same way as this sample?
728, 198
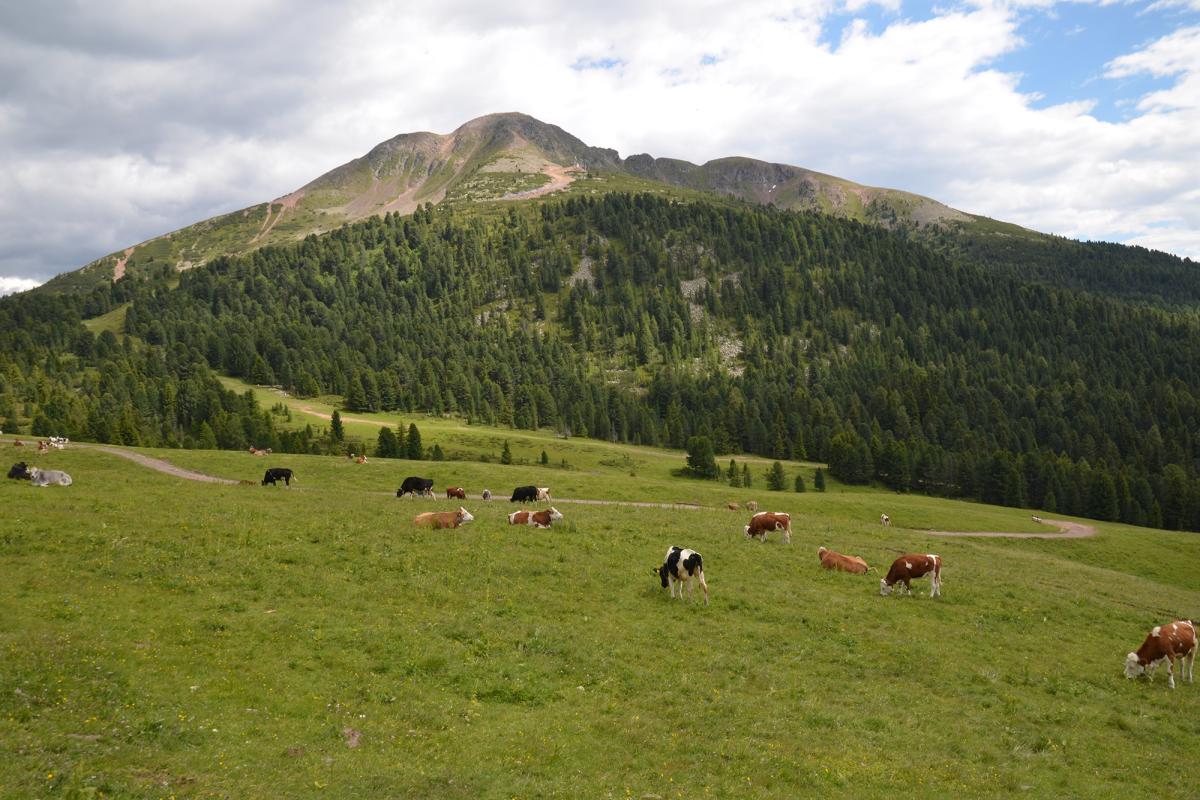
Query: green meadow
168, 638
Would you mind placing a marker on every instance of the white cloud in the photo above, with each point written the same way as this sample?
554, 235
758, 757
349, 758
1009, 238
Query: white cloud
119, 125
14, 285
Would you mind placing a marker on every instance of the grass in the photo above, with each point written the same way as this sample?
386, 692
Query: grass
112, 321
168, 638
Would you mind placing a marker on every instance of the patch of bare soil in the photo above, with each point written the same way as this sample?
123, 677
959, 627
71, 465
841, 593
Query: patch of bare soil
560, 178
119, 269
158, 464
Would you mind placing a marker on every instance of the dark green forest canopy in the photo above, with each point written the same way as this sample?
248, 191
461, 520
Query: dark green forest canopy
960, 370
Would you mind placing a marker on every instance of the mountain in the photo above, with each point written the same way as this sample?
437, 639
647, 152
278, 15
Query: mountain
500, 157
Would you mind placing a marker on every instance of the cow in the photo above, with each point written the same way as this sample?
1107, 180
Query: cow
49, 477
18, 443
59, 442
254, 451
682, 566
416, 486
914, 565
19, 471
278, 474
43, 446
444, 519
1165, 643
524, 494
543, 495
841, 563
885, 520
457, 492
752, 506
361, 458
766, 521
487, 494
1036, 518
538, 519
732, 506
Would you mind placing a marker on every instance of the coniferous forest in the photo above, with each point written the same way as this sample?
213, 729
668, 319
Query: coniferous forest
1049, 374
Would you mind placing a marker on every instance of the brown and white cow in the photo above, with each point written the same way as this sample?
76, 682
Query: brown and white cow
456, 491
914, 565
444, 519
885, 520
1165, 643
764, 522
538, 519
752, 506
836, 561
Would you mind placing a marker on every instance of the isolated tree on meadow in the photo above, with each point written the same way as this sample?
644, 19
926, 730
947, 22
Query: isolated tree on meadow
746, 475
335, 427
413, 444
701, 462
776, 479
799, 485
386, 446
819, 480
506, 454
733, 475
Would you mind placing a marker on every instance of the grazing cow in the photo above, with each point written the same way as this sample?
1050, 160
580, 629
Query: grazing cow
18, 443
732, 506
19, 471
524, 494
836, 561
766, 521
456, 491
910, 566
543, 495
416, 486
1165, 643
278, 474
538, 519
444, 519
681, 566
885, 520
487, 494
752, 506
49, 477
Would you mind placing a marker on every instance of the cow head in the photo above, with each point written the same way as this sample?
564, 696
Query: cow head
747, 529
1133, 666
884, 589
464, 515
555, 514
662, 574
19, 471
821, 551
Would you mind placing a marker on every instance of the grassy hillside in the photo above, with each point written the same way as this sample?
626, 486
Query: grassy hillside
167, 638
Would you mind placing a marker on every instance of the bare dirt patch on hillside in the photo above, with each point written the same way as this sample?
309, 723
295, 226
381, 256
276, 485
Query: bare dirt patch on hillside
1066, 530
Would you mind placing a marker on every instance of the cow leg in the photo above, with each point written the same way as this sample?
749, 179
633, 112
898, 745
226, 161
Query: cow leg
1171, 671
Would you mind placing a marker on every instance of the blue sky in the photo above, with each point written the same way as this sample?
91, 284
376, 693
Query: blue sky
123, 121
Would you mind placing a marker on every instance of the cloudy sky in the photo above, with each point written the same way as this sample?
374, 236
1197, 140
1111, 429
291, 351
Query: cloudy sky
126, 119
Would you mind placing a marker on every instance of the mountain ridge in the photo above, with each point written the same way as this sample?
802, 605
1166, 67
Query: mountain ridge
507, 156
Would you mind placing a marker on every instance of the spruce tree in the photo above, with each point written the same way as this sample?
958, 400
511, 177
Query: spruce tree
700, 459
819, 480
413, 443
746, 475
506, 454
799, 485
545, 458
776, 479
436, 454
335, 427
385, 447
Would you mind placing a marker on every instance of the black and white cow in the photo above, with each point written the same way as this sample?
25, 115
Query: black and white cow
278, 474
682, 566
524, 494
416, 486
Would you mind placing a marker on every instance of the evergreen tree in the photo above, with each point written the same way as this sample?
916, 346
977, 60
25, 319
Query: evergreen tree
799, 485
733, 475
387, 447
776, 479
746, 475
335, 427
1102, 496
413, 443
819, 480
436, 453
545, 458
506, 454
701, 462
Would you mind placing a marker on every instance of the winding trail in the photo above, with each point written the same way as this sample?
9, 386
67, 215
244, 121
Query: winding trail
158, 464
1067, 530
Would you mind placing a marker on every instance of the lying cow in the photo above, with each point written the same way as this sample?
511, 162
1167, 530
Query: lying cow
444, 519
456, 492
840, 563
19, 471
682, 566
538, 519
49, 477
416, 486
543, 494
914, 565
732, 506
1165, 643
764, 522
524, 494
278, 474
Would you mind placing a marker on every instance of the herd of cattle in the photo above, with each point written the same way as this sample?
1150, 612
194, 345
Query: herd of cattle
684, 567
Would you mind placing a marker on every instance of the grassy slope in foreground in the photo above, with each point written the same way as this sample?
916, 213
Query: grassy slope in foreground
163, 637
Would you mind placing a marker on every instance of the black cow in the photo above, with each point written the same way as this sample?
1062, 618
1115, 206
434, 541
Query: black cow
20, 471
278, 474
524, 494
416, 486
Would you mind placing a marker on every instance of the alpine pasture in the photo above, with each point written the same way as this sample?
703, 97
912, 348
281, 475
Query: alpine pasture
169, 638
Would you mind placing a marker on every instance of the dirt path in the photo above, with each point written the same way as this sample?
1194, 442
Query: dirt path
1067, 530
560, 178
158, 464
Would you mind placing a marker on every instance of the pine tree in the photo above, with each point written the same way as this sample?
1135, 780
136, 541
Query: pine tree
506, 454
436, 453
413, 443
701, 462
386, 447
733, 475
545, 458
746, 475
819, 480
799, 485
776, 479
335, 427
